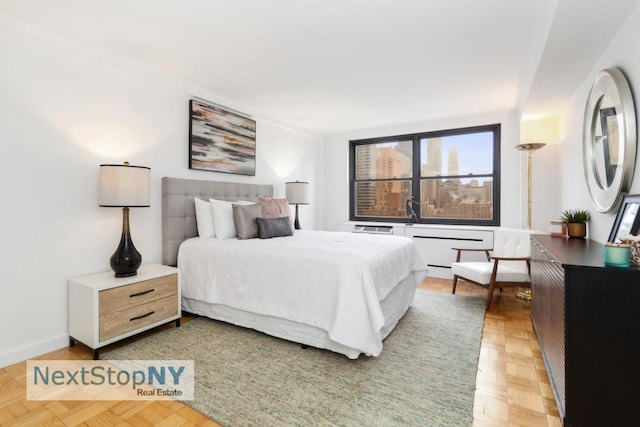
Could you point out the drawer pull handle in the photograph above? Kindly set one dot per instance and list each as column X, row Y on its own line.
column 141, row 293
column 141, row 317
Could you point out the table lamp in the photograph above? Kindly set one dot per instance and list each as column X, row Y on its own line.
column 297, row 193
column 125, row 186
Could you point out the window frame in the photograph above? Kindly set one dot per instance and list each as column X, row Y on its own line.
column 417, row 177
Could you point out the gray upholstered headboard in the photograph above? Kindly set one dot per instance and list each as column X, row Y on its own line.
column 179, row 212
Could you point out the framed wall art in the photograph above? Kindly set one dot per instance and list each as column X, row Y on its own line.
column 628, row 219
column 221, row 140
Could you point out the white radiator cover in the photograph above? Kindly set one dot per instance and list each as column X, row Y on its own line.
column 436, row 245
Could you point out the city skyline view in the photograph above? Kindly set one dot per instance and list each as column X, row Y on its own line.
column 449, row 186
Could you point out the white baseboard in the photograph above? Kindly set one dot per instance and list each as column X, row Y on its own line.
column 23, row 353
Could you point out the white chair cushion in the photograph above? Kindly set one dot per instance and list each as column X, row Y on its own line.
column 480, row 272
column 512, row 243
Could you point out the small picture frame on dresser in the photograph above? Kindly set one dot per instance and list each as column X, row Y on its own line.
column 628, row 218
column 557, row 228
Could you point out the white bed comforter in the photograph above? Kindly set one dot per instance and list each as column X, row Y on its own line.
column 331, row 280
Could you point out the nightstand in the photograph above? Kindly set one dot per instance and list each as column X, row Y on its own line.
column 104, row 309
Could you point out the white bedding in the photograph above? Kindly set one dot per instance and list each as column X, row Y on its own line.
column 327, row 280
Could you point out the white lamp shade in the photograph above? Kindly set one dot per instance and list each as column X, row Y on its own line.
column 297, row 193
column 545, row 129
column 124, row 186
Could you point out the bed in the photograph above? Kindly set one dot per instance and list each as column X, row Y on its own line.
column 343, row 292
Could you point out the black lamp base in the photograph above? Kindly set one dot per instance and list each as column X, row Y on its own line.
column 296, row 223
column 126, row 259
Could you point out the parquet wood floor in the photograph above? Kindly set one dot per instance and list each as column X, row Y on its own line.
column 512, row 387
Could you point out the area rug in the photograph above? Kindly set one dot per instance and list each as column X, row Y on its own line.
column 425, row 375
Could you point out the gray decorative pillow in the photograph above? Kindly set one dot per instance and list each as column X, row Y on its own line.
column 244, row 218
column 274, row 227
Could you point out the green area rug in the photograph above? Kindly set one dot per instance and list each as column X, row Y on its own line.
column 425, row 375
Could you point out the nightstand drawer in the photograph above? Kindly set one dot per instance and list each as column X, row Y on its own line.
column 125, row 297
column 123, row 321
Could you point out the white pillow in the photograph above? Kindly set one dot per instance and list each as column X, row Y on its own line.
column 223, row 223
column 204, row 219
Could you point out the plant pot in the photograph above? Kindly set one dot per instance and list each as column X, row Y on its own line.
column 577, row 230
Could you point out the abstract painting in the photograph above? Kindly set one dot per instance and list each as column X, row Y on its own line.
column 220, row 140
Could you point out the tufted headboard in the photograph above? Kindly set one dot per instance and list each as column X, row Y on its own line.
column 179, row 212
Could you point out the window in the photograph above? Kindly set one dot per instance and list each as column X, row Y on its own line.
column 446, row 177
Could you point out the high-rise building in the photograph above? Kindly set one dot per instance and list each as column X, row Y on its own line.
column 431, row 168
column 387, row 192
column 366, row 156
column 405, row 148
column 453, row 168
column 433, row 165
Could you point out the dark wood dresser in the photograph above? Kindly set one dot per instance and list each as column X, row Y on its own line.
column 587, row 319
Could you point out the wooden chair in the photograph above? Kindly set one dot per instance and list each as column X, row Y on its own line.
column 508, row 265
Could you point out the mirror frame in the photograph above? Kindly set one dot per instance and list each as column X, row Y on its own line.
column 612, row 83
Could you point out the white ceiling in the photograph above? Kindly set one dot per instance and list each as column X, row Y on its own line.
column 326, row 66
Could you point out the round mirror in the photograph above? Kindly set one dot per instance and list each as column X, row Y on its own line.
column 609, row 146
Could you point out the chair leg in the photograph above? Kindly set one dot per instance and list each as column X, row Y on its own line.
column 455, row 283
column 490, row 294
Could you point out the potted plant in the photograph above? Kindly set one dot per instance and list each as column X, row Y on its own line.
column 576, row 220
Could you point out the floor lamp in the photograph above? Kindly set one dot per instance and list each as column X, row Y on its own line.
column 529, row 148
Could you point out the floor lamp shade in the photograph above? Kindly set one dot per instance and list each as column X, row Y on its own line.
column 297, row 193
column 125, row 186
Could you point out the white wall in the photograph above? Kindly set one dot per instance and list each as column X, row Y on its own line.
column 624, row 52
column 335, row 174
column 65, row 110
